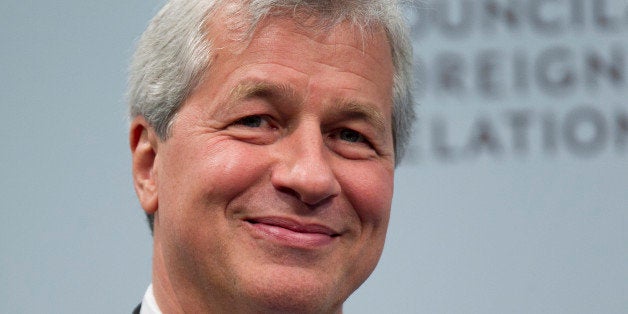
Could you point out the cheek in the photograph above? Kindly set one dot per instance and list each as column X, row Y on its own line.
column 369, row 189
column 232, row 167
column 209, row 177
column 197, row 186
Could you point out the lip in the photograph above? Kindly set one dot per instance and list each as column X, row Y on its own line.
column 289, row 232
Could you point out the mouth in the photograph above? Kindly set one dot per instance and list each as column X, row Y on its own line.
column 291, row 233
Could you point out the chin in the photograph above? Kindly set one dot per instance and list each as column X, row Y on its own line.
column 298, row 291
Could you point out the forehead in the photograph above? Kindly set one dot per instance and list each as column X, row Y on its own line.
column 347, row 48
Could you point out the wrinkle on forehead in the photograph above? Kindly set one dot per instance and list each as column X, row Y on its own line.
column 343, row 38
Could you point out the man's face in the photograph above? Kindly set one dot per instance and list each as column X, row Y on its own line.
column 274, row 188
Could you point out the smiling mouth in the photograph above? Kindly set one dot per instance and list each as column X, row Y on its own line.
column 291, row 233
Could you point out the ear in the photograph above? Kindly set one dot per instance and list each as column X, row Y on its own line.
column 144, row 141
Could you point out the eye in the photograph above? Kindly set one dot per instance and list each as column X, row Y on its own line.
column 255, row 129
column 351, row 136
column 351, row 144
column 251, row 121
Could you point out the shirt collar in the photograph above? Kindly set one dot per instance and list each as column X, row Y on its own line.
column 149, row 304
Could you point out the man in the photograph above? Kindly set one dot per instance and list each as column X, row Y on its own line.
column 264, row 137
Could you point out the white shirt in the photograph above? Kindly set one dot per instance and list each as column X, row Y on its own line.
column 149, row 304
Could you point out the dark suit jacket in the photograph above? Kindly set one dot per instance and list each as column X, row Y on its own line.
column 137, row 309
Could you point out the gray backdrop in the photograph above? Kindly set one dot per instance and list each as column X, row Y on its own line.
column 512, row 198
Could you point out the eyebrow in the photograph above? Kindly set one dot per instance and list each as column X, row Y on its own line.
column 250, row 89
column 351, row 109
column 345, row 108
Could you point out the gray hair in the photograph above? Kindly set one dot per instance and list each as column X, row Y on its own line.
column 175, row 50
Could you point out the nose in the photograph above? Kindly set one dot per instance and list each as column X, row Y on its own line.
column 304, row 169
